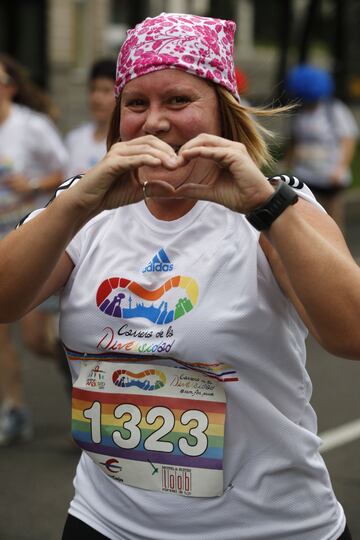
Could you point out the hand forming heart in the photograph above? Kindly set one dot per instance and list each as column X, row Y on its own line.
column 117, row 180
column 238, row 183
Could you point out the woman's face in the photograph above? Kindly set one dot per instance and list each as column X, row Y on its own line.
column 175, row 107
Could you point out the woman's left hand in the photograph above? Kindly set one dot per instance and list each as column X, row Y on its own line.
column 238, row 185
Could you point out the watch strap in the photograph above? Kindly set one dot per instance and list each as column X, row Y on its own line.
column 262, row 217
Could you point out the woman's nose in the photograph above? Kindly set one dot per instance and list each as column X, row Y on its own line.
column 156, row 121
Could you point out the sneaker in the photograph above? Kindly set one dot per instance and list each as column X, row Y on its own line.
column 15, row 426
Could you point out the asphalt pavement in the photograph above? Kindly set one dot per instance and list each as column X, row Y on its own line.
column 36, row 477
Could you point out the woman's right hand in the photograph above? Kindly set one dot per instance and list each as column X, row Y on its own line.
column 114, row 181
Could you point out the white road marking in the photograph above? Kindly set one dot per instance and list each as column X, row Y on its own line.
column 339, row 436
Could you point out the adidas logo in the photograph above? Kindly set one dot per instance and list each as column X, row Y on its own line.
column 159, row 263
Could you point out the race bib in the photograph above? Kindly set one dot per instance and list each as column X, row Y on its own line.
column 153, row 427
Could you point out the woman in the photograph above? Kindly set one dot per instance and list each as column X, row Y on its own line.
column 32, row 164
column 190, row 398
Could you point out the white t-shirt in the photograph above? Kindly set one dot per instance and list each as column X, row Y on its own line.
column 189, row 375
column 316, row 134
column 84, row 150
column 31, row 145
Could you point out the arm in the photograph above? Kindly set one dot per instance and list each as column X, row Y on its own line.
column 32, row 258
column 323, row 280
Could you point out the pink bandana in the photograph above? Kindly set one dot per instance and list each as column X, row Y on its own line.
column 199, row 45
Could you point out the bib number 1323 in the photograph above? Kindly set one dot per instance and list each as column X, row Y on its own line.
column 160, row 421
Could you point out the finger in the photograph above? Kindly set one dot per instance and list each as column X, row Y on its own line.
column 139, row 160
column 168, row 160
column 159, row 188
column 222, row 156
column 152, row 141
column 200, row 192
column 205, row 139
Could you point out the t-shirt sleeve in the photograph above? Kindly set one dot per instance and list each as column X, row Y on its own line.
column 74, row 247
column 302, row 190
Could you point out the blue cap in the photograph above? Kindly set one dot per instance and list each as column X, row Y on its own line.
column 309, row 83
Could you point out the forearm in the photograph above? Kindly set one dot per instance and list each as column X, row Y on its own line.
column 29, row 254
column 324, row 277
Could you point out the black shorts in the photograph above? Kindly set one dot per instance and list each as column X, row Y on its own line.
column 78, row 530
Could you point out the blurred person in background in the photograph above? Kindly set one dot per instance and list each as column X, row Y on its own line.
column 32, row 164
column 86, row 144
column 323, row 138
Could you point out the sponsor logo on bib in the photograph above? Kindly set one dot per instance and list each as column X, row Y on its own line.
column 149, row 379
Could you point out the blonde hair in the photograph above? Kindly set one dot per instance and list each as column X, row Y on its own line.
column 239, row 124
column 113, row 135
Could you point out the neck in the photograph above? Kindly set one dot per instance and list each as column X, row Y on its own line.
column 5, row 108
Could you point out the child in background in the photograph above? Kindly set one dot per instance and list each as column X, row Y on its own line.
column 86, row 144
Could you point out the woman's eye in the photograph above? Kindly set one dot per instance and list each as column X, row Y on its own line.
column 179, row 100
column 136, row 103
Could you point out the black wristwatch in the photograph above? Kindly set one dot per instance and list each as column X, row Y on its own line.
column 262, row 217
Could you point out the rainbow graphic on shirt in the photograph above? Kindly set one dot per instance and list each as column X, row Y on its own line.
column 126, row 299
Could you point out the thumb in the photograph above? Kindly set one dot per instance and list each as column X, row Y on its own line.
column 200, row 192
column 158, row 188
